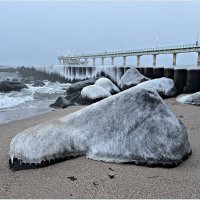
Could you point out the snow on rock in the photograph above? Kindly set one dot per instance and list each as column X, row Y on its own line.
column 164, row 86
column 193, row 99
column 108, row 85
column 132, row 126
column 131, row 78
column 91, row 94
column 78, row 86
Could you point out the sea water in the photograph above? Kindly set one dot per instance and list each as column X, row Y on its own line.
column 29, row 101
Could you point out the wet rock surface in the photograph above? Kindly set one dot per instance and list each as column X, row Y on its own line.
column 151, row 134
column 8, row 86
column 38, row 84
column 65, row 101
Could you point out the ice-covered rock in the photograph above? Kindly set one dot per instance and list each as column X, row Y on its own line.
column 91, row 94
column 131, row 78
column 78, row 86
column 108, row 85
column 164, row 86
column 132, row 126
column 193, row 99
column 64, row 102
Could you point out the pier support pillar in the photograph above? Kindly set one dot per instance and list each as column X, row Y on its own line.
column 138, row 60
column 93, row 61
column 86, row 61
column 174, row 59
column 154, row 60
column 102, row 61
column 112, row 60
column 198, row 59
column 124, row 60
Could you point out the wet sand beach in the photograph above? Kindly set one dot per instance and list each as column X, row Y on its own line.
column 84, row 178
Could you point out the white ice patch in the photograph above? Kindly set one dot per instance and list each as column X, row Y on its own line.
column 94, row 92
column 193, row 99
column 164, row 86
column 132, row 126
column 131, row 78
column 108, row 85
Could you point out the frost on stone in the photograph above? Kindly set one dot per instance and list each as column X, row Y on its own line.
column 132, row 126
column 108, row 85
column 131, row 78
column 94, row 92
column 164, row 86
column 91, row 94
column 193, row 99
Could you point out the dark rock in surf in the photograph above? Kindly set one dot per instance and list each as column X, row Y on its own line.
column 38, row 84
column 8, row 86
column 64, row 102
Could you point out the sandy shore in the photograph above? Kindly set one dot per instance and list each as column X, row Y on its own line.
column 93, row 179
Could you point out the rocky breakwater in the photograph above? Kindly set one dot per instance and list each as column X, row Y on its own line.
column 132, row 126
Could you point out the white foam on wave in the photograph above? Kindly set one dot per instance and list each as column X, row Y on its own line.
column 8, row 101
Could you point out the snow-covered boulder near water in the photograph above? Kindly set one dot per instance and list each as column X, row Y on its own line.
column 131, row 78
column 164, row 86
column 91, row 94
column 132, row 126
column 108, row 85
column 193, row 99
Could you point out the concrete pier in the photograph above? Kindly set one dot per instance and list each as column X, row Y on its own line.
column 174, row 59
column 198, row 59
column 158, row 72
column 192, row 81
column 169, row 72
column 154, row 60
column 180, row 77
column 124, row 60
column 174, row 50
column 112, row 60
column 93, row 61
column 138, row 60
column 102, row 61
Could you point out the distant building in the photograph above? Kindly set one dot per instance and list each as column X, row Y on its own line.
column 71, row 61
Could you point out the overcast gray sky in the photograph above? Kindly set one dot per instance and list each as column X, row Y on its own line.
column 37, row 32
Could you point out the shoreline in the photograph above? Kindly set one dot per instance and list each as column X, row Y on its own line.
column 93, row 177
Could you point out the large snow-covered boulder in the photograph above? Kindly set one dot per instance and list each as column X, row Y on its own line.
column 132, row 126
column 91, row 94
column 131, row 78
column 193, row 99
column 164, row 86
column 108, row 85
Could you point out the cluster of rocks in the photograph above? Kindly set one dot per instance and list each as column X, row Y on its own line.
column 128, row 123
column 93, row 90
column 16, row 85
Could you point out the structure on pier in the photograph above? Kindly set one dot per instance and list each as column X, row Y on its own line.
column 82, row 59
column 63, row 60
